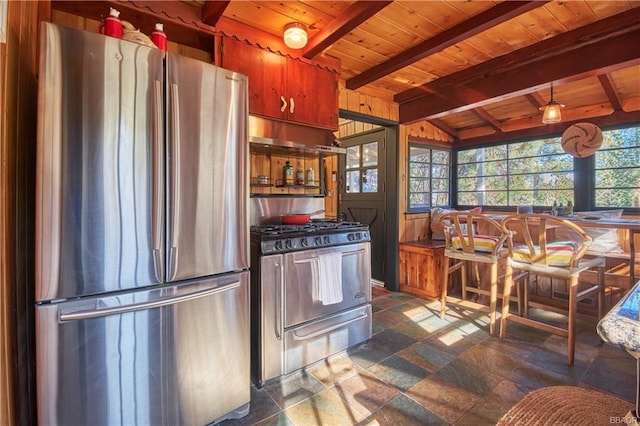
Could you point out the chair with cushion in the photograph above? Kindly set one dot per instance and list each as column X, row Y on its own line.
column 533, row 249
column 477, row 239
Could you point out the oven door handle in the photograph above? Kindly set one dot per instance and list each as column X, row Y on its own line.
column 328, row 329
column 315, row 258
column 279, row 306
column 349, row 253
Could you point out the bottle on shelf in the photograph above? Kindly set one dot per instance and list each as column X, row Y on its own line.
column 299, row 176
column 287, row 173
column 311, row 176
column 569, row 207
column 159, row 38
column 554, row 209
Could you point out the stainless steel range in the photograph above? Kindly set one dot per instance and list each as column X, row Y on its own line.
column 310, row 291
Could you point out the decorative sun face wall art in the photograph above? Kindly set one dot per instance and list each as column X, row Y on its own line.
column 582, row 139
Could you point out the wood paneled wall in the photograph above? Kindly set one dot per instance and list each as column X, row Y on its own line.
column 351, row 100
column 18, row 93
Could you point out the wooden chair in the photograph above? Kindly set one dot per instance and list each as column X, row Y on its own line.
column 477, row 239
column 555, row 259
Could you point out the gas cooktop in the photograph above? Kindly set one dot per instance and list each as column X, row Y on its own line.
column 317, row 233
column 315, row 225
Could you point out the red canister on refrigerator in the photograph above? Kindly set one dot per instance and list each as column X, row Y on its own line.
column 112, row 25
column 159, row 38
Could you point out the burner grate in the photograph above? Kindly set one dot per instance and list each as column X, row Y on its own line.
column 313, row 226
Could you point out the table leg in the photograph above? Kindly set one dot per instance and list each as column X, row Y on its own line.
column 632, row 253
column 636, row 412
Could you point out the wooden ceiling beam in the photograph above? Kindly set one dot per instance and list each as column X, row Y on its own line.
column 496, row 15
column 212, row 11
column 355, row 15
column 618, row 118
column 531, row 56
column 609, row 44
column 485, row 116
column 445, row 128
column 535, row 99
column 612, row 94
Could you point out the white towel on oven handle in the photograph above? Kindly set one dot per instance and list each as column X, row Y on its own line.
column 326, row 274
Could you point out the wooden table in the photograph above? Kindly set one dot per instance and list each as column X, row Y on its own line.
column 621, row 327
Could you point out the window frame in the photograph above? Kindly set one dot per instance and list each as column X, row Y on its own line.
column 431, row 146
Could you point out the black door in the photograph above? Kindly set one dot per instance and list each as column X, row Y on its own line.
column 362, row 177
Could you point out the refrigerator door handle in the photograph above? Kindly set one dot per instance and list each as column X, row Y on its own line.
column 175, row 181
column 156, row 218
column 79, row 315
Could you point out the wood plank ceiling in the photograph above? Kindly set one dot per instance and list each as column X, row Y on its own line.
column 478, row 70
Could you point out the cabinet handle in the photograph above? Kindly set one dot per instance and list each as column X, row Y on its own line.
column 284, row 104
column 292, row 105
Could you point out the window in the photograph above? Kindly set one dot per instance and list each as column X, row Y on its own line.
column 429, row 177
column 539, row 172
column 535, row 173
column 617, row 169
column 362, row 168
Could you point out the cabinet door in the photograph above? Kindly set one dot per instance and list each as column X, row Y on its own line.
column 275, row 81
column 266, row 72
column 314, row 92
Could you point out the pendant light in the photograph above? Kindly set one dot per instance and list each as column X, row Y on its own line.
column 552, row 113
column 295, row 35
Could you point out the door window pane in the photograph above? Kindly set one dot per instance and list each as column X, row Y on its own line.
column 353, row 157
column 370, row 154
column 353, row 181
column 370, row 180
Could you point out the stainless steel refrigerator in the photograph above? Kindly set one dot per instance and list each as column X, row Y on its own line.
column 142, row 299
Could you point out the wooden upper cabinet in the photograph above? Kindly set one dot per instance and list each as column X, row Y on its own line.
column 284, row 88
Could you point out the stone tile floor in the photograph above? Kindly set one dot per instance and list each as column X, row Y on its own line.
column 418, row 369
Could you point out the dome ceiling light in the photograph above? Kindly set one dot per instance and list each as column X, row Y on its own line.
column 295, row 35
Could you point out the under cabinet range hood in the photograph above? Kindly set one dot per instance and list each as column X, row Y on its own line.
column 274, row 136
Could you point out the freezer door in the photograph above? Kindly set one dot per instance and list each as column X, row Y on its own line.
column 99, row 216
column 175, row 355
column 207, row 172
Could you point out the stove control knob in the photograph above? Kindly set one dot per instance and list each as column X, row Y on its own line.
column 288, row 244
column 326, row 239
column 304, row 242
column 351, row 237
column 278, row 245
column 318, row 240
